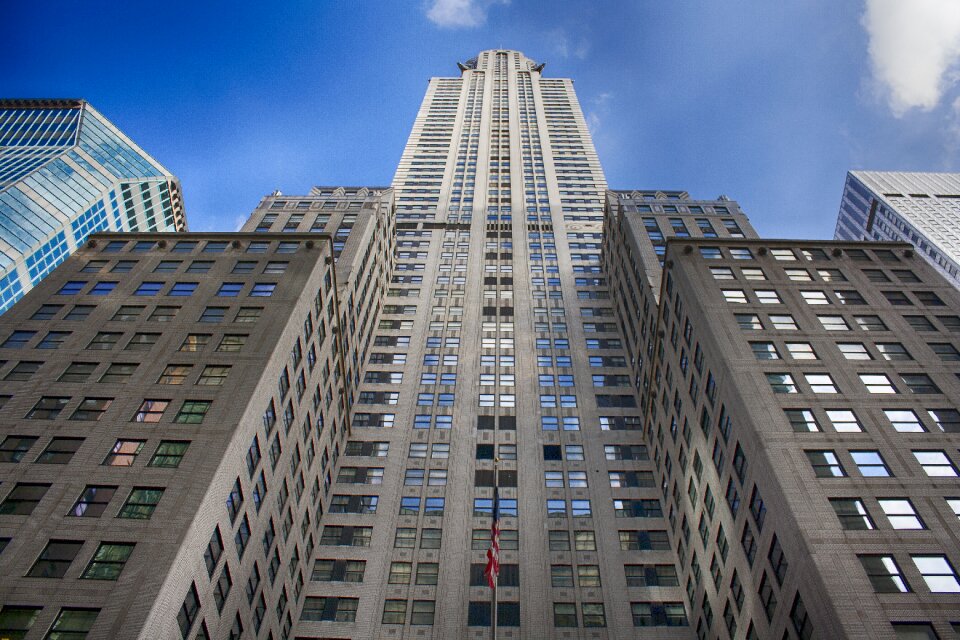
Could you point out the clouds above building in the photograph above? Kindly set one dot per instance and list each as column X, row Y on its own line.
column 914, row 51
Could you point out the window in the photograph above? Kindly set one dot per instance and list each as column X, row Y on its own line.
column 13, row 448
column 150, row 410
column 884, row 574
column 59, row 451
column 182, row 289
column 47, row 408
column 118, row 373
column 394, row 612
column 213, row 375
column 18, row 339
column 232, row 343
column 169, row 453
column 802, row 420
column 164, row 314
column 936, row 464
column 124, row 453
column 937, row 572
column 870, row 323
column 16, row 621
column 167, row 266
column 188, row 611
column 854, row 351
column 767, row 296
column 148, row 289
column 748, row 321
column 833, row 323
column 734, row 296
column 764, row 351
column 844, row 421
column 229, row 289
column 877, row 383
column 103, row 341
column 141, row 503
column 904, row 420
column 213, row 314
column 825, row 464
column 783, row 322
column 658, row 614
column 108, row 561
column 782, row 383
column 919, row 383
column 900, row 513
column 55, row 559
column 142, row 342
column 72, row 623
column 101, row 288
column 22, row 371
column 46, row 312
column 815, row 297
column 820, row 382
column 77, row 372
column 175, row 374
column 947, row 419
column 192, row 412
column 565, row 613
column 248, row 314
column 92, row 502
column 23, row 498
column 852, row 514
column 870, row 464
column 801, row 351
column 79, row 312
column 53, row 340
column 262, row 290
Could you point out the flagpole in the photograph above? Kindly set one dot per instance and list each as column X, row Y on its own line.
column 496, row 578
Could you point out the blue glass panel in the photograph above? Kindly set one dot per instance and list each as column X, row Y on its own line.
column 43, row 260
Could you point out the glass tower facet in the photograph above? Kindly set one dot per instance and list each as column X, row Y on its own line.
column 920, row 208
column 66, row 172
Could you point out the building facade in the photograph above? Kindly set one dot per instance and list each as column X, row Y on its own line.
column 681, row 419
column 175, row 405
column 67, row 172
column 920, row 208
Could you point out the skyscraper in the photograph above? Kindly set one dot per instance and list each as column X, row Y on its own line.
column 308, row 441
column 66, row 172
column 920, row 208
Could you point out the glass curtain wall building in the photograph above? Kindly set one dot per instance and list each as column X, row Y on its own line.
column 920, row 208
column 66, row 172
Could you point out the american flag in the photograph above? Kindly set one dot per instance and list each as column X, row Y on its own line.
column 493, row 553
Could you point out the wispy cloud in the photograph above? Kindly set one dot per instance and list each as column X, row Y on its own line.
column 597, row 107
column 458, row 14
column 914, row 50
column 566, row 47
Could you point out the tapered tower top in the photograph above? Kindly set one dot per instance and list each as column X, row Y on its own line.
column 484, row 61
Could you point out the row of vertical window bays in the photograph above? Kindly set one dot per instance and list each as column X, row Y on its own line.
column 354, row 504
column 558, row 540
column 485, row 360
column 479, row 613
column 583, row 576
column 505, row 452
column 485, row 477
column 503, row 294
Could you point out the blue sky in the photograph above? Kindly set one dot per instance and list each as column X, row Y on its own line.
column 767, row 102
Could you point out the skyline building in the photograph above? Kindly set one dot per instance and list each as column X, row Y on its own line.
column 295, row 431
column 66, row 172
column 922, row 209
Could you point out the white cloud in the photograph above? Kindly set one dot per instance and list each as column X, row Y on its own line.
column 914, row 46
column 460, row 13
column 565, row 47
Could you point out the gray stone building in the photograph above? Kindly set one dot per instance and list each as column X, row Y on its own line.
column 174, row 408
